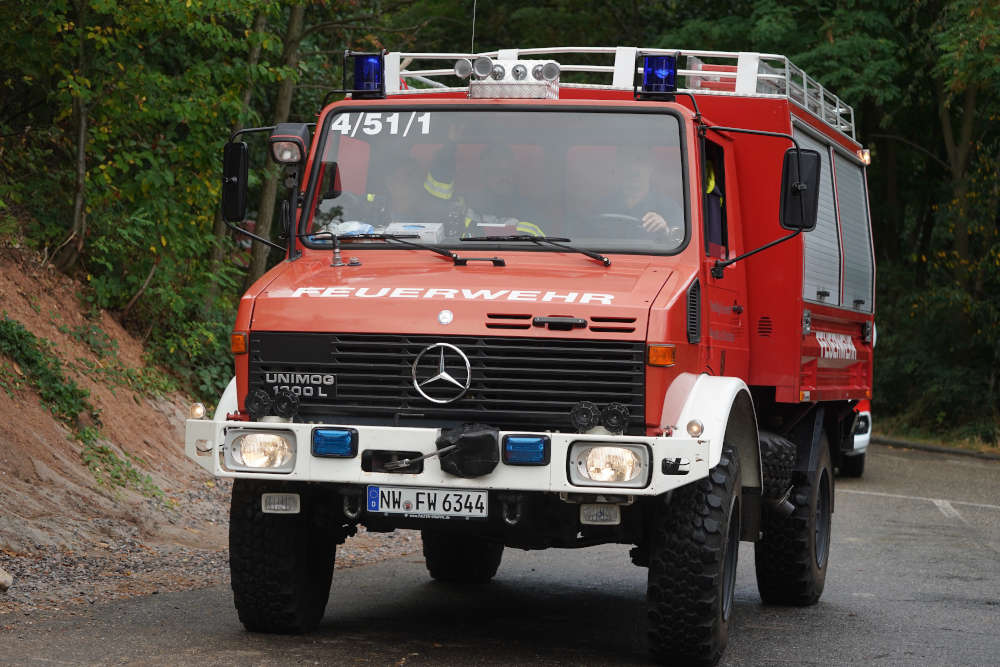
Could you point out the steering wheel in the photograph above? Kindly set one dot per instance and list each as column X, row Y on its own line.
column 619, row 217
column 671, row 236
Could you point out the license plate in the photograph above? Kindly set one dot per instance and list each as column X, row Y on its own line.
column 421, row 503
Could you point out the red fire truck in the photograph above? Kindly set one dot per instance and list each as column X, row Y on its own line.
column 517, row 310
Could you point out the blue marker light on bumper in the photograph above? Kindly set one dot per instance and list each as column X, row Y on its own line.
column 526, row 450
column 335, row 442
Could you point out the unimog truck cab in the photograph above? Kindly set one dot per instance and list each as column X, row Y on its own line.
column 520, row 312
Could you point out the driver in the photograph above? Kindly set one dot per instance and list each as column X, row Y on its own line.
column 657, row 212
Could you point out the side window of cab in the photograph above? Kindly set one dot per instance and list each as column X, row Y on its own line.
column 714, row 192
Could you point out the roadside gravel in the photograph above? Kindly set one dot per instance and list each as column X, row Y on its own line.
column 125, row 565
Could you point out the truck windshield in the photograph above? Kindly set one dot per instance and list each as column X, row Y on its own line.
column 610, row 181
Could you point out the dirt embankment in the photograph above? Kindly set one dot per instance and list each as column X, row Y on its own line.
column 53, row 512
column 67, row 539
column 49, row 498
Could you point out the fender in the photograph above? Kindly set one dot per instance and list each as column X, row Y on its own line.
column 725, row 408
column 227, row 402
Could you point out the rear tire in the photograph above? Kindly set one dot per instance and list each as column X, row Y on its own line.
column 852, row 466
column 792, row 556
column 460, row 559
column 692, row 568
column 281, row 564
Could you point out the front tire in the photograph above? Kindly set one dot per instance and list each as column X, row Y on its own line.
column 792, row 556
column 281, row 564
column 692, row 567
column 460, row 559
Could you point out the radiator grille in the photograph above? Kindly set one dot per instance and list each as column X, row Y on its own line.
column 515, row 382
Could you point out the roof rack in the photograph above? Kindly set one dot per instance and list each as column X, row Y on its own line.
column 734, row 73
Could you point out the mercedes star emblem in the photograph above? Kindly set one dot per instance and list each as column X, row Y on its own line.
column 436, row 384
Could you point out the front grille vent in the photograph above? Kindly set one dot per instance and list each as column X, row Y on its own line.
column 516, row 383
column 508, row 321
column 694, row 312
column 612, row 324
column 765, row 327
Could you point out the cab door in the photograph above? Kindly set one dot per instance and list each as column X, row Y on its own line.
column 725, row 298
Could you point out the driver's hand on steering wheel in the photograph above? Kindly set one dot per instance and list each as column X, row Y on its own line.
column 653, row 222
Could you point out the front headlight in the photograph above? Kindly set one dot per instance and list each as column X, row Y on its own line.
column 608, row 464
column 263, row 451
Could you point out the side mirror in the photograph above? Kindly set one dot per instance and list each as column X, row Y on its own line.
column 799, row 190
column 235, row 171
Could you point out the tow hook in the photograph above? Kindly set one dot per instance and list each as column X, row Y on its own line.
column 352, row 505
column 512, row 509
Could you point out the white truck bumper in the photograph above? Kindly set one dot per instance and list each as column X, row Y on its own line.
column 205, row 442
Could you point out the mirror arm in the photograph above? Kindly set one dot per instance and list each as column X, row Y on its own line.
column 248, row 130
column 261, row 239
column 717, row 268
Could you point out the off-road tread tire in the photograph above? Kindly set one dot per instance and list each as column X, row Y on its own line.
column 852, row 466
column 777, row 460
column 686, row 569
column 785, row 560
column 281, row 564
column 460, row 559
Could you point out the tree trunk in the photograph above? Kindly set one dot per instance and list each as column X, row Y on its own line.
column 925, row 228
column 893, row 211
column 68, row 253
column 283, row 106
column 959, row 154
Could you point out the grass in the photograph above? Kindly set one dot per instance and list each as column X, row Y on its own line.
column 899, row 428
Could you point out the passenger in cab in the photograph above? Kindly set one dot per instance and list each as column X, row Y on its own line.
column 497, row 207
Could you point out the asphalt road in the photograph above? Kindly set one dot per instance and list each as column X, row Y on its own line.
column 914, row 579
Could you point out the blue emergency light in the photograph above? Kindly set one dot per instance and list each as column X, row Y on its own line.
column 659, row 74
column 341, row 443
column 369, row 75
column 526, row 450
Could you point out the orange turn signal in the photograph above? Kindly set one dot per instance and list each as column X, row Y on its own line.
column 661, row 355
column 238, row 342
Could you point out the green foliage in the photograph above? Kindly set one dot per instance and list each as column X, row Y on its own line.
column 113, row 374
column 112, row 471
column 44, row 371
column 204, row 345
column 94, row 337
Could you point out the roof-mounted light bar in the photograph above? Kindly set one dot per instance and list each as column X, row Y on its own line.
column 510, row 79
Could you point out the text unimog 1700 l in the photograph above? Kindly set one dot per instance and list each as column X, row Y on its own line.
column 516, row 312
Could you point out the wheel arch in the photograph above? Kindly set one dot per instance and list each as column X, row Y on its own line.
column 725, row 407
column 227, row 402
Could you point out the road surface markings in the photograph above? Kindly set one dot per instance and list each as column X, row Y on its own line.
column 946, row 506
column 936, row 501
column 948, row 510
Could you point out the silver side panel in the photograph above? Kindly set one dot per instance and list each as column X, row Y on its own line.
column 821, row 260
column 854, row 222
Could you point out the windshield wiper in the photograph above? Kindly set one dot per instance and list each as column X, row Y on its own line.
column 404, row 240
column 555, row 241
